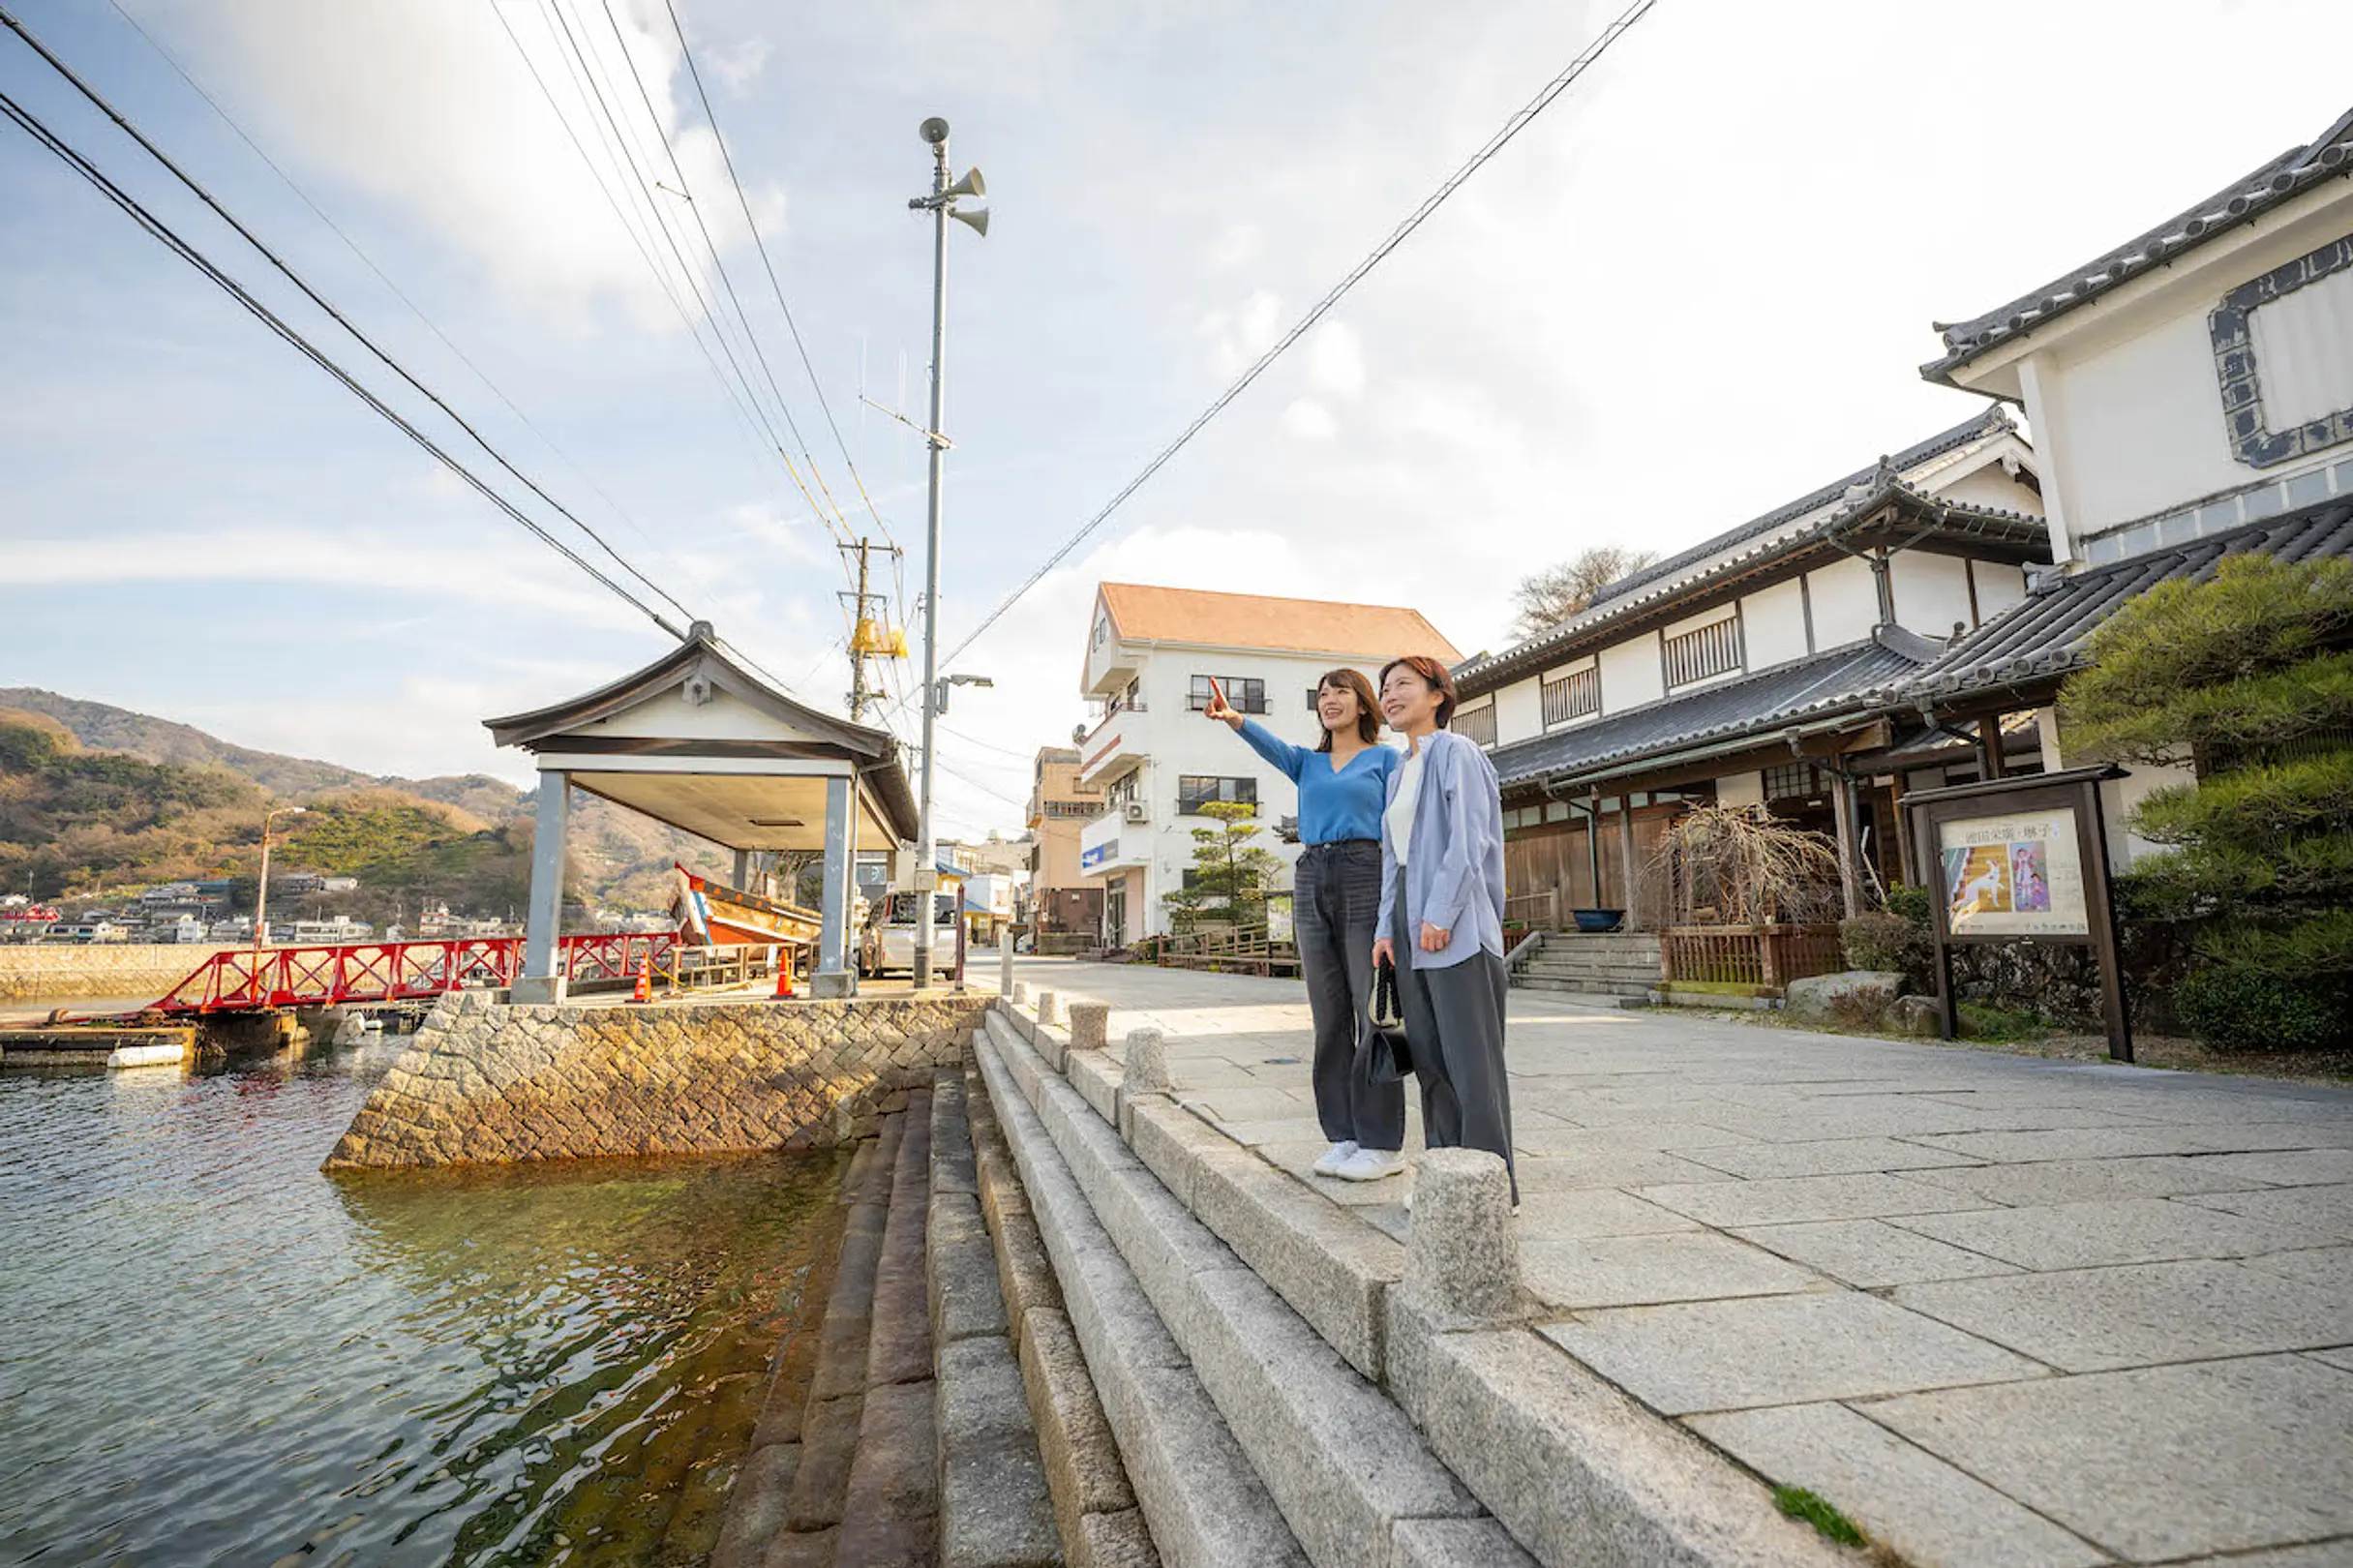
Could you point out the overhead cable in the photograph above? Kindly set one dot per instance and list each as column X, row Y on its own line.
column 1512, row 127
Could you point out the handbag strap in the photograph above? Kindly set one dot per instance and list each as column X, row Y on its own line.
column 1384, row 995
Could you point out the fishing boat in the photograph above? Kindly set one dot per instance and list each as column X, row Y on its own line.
column 713, row 915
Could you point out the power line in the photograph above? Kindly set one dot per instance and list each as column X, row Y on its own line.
column 180, row 69
column 695, row 74
column 187, row 253
column 1512, row 127
column 106, row 108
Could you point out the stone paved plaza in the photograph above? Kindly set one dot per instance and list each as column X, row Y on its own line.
column 1999, row 1309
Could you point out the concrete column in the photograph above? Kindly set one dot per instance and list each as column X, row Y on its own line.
column 1004, row 964
column 539, row 980
column 743, row 871
column 832, row 977
column 1090, row 1025
column 1461, row 1252
column 1146, row 1063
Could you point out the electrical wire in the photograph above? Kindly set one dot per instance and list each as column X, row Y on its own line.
column 171, row 240
column 122, row 122
column 695, row 74
column 1512, row 127
column 180, row 69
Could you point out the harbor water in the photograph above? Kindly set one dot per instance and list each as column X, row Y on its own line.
column 212, row 1353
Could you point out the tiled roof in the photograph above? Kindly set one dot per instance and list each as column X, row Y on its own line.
column 2045, row 636
column 1169, row 614
column 1818, row 686
column 1992, row 420
column 2327, row 156
column 1874, row 491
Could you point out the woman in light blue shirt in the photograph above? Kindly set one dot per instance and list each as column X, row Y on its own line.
column 1336, row 896
column 1441, row 917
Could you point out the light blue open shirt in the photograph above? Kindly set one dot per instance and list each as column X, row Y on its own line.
column 1454, row 873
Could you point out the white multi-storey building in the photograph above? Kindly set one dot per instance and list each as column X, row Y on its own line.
column 1152, row 653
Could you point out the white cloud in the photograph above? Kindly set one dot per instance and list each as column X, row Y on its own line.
column 739, row 67
column 1240, row 335
column 1336, row 360
column 1309, row 420
column 1237, row 245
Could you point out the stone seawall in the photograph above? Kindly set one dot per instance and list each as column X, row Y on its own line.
column 487, row 1083
column 100, row 969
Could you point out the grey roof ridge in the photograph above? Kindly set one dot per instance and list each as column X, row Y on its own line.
column 1984, row 422
column 1601, row 615
column 2328, row 156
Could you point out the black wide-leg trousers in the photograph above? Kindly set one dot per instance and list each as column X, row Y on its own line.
column 1335, row 904
column 1453, row 1026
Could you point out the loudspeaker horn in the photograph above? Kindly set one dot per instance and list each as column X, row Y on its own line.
column 976, row 218
column 971, row 185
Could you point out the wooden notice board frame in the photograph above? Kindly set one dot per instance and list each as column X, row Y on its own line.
column 2075, row 793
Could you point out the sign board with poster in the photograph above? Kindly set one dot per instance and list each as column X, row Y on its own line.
column 1279, row 922
column 2022, row 858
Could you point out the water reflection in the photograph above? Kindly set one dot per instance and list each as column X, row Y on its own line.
column 211, row 1353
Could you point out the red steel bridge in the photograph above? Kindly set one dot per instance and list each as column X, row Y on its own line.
column 252, row 979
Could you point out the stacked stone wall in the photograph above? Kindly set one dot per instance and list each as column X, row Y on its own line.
column 97, row 969
column 487, row 1083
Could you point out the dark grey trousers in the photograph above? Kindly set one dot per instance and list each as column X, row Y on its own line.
column 1453, row 1024
column 1335, row 905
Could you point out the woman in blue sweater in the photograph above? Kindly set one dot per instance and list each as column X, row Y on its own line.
column 1335, row 897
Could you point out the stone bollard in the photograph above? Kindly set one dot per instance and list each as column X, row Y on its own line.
column 1461, row 1249
column 1045, row 1008
column 1004, row 964
column 1146, row 1064
column 1022, row 992
column 1090, row 1025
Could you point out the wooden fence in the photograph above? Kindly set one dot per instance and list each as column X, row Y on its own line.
column 1765, row 956
column 1235, row 951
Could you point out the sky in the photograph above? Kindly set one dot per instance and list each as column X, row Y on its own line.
column 1698, row 286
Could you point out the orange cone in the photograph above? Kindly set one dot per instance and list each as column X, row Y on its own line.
column 645, row 980
column 784, row 980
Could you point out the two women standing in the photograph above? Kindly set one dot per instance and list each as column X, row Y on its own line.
column 1404, row 864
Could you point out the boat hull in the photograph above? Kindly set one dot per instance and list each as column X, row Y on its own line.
column 714, row 915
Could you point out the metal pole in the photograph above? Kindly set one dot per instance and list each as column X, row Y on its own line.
column 926, row 873
column 262, row 889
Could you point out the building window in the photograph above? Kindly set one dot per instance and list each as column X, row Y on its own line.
column 1128, row 701
column 1196, row 790
column 1706, row 651
column 1477, row 724
column 1314, row 692
column 1572, row 696
column 1244, row 696
column 1067, row 809
column 1797, row 781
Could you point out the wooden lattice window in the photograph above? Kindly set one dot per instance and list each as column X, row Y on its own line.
column 1712, row 650
column 1477, row 724
column 1572, row 696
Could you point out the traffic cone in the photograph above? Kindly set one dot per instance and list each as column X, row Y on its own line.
column 784, row 980
column 645, row 980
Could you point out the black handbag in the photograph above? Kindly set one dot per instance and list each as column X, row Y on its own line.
column 1384, row 1032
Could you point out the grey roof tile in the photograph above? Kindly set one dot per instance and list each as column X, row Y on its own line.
column 2327, row 156
column 1815, row 687
column 2047, row 634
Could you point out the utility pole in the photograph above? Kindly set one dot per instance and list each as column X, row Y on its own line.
column 867, row 640
column 940, row 204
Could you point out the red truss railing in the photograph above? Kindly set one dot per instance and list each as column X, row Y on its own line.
column 396, row 971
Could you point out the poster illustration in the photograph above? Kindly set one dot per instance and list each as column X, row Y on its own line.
column 2019, row 875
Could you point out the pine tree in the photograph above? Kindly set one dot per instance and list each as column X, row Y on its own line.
column 2247, row 675
column 1229, row 871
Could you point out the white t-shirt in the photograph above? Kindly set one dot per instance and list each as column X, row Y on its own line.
column 1399, row 818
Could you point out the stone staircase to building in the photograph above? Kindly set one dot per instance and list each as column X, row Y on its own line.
column 1622, row 964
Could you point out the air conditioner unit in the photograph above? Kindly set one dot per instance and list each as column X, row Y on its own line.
column 1138, row 811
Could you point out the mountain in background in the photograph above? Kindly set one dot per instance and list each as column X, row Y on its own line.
column 95, row 797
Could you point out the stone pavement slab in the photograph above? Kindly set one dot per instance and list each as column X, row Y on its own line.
column 2020, row 1271
column 2094, row 1319
column 2160, row 1461
column 2124, row 1230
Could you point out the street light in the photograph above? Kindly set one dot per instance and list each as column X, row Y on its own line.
column 940, row 689
column 261, row 890
column 941, row 205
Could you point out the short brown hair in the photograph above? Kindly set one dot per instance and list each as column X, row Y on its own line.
column 1368, row 705
column 1434, row 675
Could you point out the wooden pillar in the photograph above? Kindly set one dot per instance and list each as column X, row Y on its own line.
column 1989, row 747
column 1625, row 861
column 1850, row 868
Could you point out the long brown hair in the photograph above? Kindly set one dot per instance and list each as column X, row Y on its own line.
column 1368, row 706
column 1433, row 676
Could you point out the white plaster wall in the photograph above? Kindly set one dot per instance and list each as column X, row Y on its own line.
column 1707, row 618
column 1931, row 593
column 671, row 715
column 1631, row 675
column 1774, row 620
column 1992, row 486
column 1845, row 603
column 2000, row 587
column 1518, row 711
column 1740, row 790
column 2118, row 796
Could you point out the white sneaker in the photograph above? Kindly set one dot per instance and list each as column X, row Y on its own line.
column 1336, row 1156
column 1371, row 1166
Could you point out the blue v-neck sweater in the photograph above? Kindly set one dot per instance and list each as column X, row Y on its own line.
column 1332, row 806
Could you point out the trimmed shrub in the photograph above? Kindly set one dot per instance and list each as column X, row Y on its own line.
column 2244, row 1010
column 1887, row 942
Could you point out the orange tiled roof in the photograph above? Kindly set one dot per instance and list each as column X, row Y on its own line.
column 1169, row 614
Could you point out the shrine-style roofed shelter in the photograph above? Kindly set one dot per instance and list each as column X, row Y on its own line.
column 695, row 741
